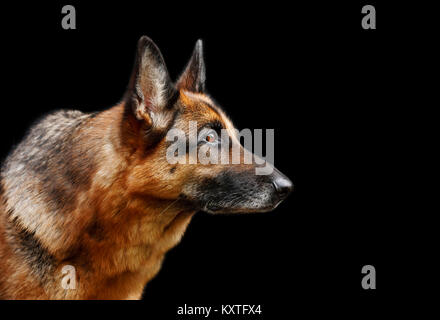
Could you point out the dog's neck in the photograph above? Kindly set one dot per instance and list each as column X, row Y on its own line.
column 131, row 246
column 86, row 213
column 130, row 233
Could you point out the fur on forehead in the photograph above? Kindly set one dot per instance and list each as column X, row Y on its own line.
column 197, row 97
column 190, row 98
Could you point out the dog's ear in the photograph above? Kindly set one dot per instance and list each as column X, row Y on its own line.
column 150, row 90
column 193, row 78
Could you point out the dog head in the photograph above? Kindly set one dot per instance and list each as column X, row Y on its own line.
column 172, row 124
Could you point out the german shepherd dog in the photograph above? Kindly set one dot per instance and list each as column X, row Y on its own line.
column 95, row 191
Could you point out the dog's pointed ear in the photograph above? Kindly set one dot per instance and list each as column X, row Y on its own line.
column 193, row 78
column 150, row 89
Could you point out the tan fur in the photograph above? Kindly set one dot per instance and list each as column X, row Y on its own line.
column 122, row 225
column 97, row 193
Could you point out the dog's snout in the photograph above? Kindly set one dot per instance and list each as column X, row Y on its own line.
column 283, row 186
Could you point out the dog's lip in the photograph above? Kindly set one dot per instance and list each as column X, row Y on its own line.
column 221, row 210
column 278, row 202
column 216, row 209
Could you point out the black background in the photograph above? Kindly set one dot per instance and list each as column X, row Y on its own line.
column 332, row 91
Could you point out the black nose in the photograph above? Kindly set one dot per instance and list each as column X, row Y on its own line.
column 283, row 186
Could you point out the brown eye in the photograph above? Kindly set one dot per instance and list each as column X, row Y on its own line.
column 210, row 137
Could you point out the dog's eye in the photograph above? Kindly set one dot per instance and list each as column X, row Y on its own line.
column 210, row 137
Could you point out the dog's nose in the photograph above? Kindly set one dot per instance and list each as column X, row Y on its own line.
column 283, row 186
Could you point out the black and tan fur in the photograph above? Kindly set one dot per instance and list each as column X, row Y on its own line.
column 95, row 190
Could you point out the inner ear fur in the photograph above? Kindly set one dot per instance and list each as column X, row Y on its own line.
column 194, row 76
column 150, row 91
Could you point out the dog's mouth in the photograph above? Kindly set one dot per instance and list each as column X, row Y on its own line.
column 232, row 193
column 214, row 208
column 235, row 204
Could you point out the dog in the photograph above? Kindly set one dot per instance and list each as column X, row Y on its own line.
column 95, row 192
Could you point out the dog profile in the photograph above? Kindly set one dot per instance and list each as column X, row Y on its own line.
column 95, row 191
